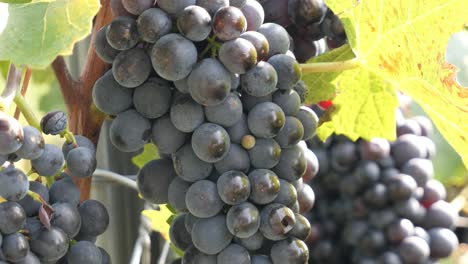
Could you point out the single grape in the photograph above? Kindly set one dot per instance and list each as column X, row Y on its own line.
column 440, row 214
column 94, row 218
column 253, row 242
column 84, row 252
column 212, row 5
column 203, row 200
column 433, row 192
column 443, row 242
column 153, row 180
column 11, row 134
column 399, row 230
column 254, row 14
column 291, row 250
column 265, row 186
column 173, row 57
column 291, row 134
column 233, row 254
column 277, row 221
column 227, row 113
column 194, row 23
column 81, row 162
column 210, row 142
column 287, row 194
column 132, row 67
column 260, row 81
column 136, row 7
column 153, row 98
column 166, row 136
column 375, row 149
column 122, row 33
column 265, row 154
column 368, row 172
column 15, row 247
column 277, row 37
column 118, row 9
column 109, row 96
column 64, row 191
column 30, row 258
column 211, row 235
column 233, row 187
column 12, row 217
column 209, row 82
column 305, row 198
column 289, row 101
column 174, row 7
column 314, row 165
column 30, row 206
column 301, row 229
column 292, row 164
column 372, row 241
column 14, row 184
column 105, row 256
column 304, row 12
column 153, row 23
column 260, row 259
column 33, row 144
column 421, row 170
column 67, row 218
column 412, row 210
column 266, row 120
column 193, row 256
column 178, row 234
column 238, row 55
column 186, row 114
column 49, row 245
column 407, row 147
column 103, row 49
column 401, row 187
column 239, row 129
column 176, row 194
column 130, row 131
column 236, row 159
column 229, row 23
column 54, row 123
column 288, row 70
column 259, row 42
column 413, row 250
column 376, row 195
column 188, row 166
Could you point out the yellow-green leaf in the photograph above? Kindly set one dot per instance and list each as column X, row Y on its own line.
column 150, row 152
column 402, row 43
column 39, row 31
column 365, row 107
column 159, row 220
column 320, row 86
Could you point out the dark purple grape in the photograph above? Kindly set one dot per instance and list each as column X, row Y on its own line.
column 233, row 187
column 229, row 23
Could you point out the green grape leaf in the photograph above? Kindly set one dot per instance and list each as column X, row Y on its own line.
column 38, row 32
column 401, row 45
column 159, row 219
column 321, row 87
column 150, row 152
column 363, row 110
column 15, row 1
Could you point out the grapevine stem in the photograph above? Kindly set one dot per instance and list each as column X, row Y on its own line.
column 27, row 111
column 12, row 84
column 330, row 66
column 69, row 137
column 24, row 88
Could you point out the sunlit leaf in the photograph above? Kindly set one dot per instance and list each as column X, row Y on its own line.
column 150, row 152
column 159, row 219
column 39, row 31
column 400, row 45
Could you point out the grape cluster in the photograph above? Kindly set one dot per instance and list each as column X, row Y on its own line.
column 308, row 22
column 214, row 88
column 47, row 224
column 377, row 201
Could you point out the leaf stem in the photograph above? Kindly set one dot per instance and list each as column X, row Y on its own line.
column 12, row 84
column 334, row 66
column 27, row 111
